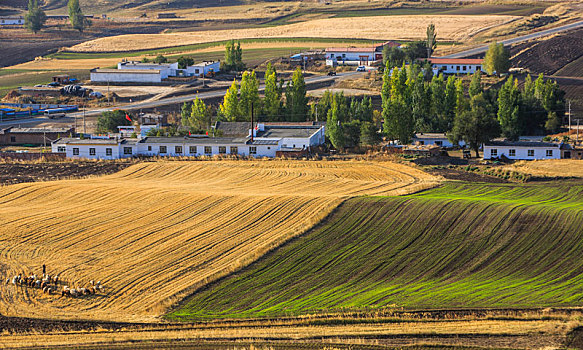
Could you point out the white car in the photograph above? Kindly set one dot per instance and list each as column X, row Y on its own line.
column 361, row 69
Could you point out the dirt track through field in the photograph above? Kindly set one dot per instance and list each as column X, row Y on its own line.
column 154, row 232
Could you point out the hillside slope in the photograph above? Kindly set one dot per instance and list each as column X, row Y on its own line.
column 156, row 231
column 454, row 246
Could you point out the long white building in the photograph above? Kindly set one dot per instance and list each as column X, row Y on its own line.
column 141, row 72
column 522, row 150
column 267, row 141
column 456, row 65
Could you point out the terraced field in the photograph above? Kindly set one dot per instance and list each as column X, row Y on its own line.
column 460, row 245
column 155, row 232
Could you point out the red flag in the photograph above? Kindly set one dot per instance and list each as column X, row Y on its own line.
column 128, row 117
column 207, row 133
column 189, row 133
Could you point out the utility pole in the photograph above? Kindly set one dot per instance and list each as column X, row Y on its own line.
column 108, row 92
column 569, row 117
column 252, row 129
column 84, row 108
column 577, row 139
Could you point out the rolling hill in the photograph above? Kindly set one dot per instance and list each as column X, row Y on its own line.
column 457, row 246
column 156, row 231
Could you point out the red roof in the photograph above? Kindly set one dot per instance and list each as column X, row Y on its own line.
column 351, row 49
column 437, row 60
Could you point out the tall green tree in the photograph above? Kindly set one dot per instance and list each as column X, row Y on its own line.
column 431, row 40
column 233, row 56
column 508, row 110
column 109, row 121
column 199, row 115
column 272, row 100
column 450, row 103
column 393, row 56
column 229, row 109
column 421, row 105
column 497, row 59
column 296, row 100
column 438, row 103
column 476, row 125
column 249, row 94
column 334, row 131
column 185, row 111
column 399, row 124
column 76, row 17
column 35, row 18
column 476, row 84
column 369, row 135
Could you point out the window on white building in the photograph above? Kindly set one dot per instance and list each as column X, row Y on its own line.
column 91, row 151
column 530, row 153
column 61, row 149
column 127, row 150
column 208, row 150
column 178, row 149
column 252, row 150
column 464, row 68
column 457, row 67
column 549, row 153
column 75, row 151
column 439, row 143
column 108, row 152
column 234, row 150
column 494, row 152
column 192, row 149
column 149, row 148
column 511, row 153
column 478, row 68
column 222, row 149
column 163, row 149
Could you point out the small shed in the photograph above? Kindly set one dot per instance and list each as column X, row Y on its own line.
column 62, row 79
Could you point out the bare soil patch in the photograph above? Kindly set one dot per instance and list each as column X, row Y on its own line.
column 13, row 173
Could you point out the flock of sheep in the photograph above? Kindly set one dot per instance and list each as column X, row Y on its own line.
column 49, row 285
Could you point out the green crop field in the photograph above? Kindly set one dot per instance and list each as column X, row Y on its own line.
column 460, row 245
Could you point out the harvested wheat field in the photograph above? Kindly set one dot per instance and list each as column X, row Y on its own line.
column 549, row 168
column 154, row 232
column 386, row 27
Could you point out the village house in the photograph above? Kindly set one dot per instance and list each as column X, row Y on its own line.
column 434, row 139
column 456, row 65
column 522, row 150
column 141, row 72
column 32, row 136
column 356, row 56
column 267, row 141
column 11, row 21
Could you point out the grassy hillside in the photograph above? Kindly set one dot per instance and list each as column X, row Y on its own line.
column 460, row 245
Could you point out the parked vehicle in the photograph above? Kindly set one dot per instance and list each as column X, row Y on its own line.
column 54, row 113
column 54, row 83
column 331, row 73
column 361, row 69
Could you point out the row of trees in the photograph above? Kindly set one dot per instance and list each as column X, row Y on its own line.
column 35, row 18
column 412, row 104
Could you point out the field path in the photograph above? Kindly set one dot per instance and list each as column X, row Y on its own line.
column 154, row 232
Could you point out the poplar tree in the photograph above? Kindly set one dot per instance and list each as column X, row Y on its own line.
column 431, row 39
column 476, row 84
column 199, row 115
column 272, row 100
column 249, row 93
column 296, row 100
column 35, row 18
column 76, row 16
column 508, row 110
column 497, row 59
column 334, row 131
column 229, row 109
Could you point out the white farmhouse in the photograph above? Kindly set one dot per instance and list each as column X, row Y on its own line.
column 11, row 21
column 456, row 65
column 166, row 69
column 268, row 141
column 522, row 150
column 356, row 55
column 434, row 139
column 99, row 148
column 205, row 68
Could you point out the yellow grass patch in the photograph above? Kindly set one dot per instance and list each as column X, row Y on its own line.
column 156, row 231
column 550, row 168
column 376, row 27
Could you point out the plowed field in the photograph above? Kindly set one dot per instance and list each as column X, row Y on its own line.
column 154, row 232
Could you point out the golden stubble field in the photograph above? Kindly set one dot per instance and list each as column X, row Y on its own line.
column 407, row 27
column 156, row 231
column 549, row 168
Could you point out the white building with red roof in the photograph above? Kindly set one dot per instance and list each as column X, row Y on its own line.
column 357, row 56
column 456, row 65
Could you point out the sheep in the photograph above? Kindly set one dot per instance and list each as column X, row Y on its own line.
column 56, row 279
column 37, row 283
column 82, row 291
column 73, row 292
column 44, row 285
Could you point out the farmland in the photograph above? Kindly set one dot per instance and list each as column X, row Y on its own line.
column 155, row 232
column 459, row 245
column 395, row 27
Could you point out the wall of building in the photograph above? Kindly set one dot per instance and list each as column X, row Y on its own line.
column 126, row 77
column 521, row 153
column 29, row 138
column 457, row 68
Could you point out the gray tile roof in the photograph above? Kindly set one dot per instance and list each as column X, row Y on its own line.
column 533, row 144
